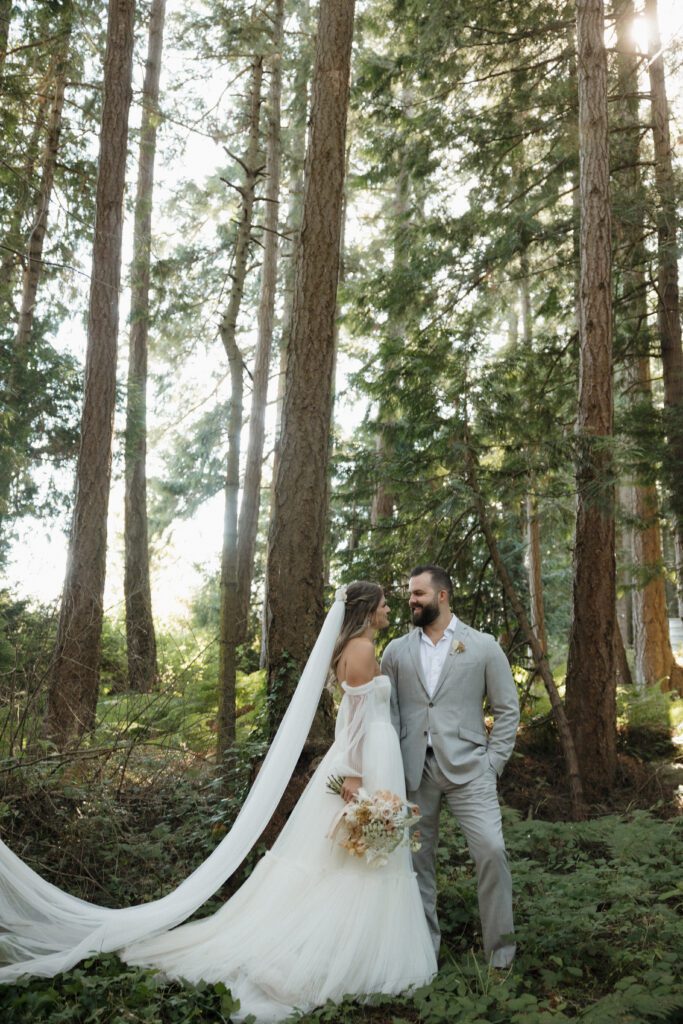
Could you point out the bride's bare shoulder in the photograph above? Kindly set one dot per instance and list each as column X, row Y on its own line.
column 358, row 663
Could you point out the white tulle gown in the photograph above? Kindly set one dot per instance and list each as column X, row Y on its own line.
column 313, row 923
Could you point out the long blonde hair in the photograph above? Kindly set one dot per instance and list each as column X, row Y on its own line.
column 362, row 599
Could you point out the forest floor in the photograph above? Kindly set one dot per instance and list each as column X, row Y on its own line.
column 598, row 903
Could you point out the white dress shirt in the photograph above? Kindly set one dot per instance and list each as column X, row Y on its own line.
column 433, row 655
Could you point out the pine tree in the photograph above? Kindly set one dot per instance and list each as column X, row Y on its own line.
column 140, row 635
column 74, row 679
column 668, row 290
column 299, row 517
column 653, row 656
column 232, row 613
column 590, row 702
column 249, row 509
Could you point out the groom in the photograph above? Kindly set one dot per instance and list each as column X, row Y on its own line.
column 441, row 673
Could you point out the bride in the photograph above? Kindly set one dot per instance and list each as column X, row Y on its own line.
column 311, row 922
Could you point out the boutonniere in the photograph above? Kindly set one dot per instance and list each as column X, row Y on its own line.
column 457, row 647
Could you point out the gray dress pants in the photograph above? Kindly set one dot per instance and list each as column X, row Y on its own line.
column 476, row 809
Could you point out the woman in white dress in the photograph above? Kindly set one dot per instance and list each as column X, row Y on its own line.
column 311, row 923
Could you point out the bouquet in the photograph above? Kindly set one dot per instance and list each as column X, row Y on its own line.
column 374, row 826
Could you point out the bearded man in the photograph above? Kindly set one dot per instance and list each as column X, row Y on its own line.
column 442, row 673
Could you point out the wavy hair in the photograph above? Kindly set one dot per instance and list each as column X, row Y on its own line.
column 362, row 599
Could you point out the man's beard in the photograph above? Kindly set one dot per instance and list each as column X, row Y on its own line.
column 427, row 614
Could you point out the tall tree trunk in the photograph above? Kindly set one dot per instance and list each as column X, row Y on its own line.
column 654, row 659
column 533, row 547
column 383, row 499
column 298, row 525
column 228, row 640
column 341, row 277
column 230, row 627
column 74, row 679
column 625, row 564
column 532, row 517
column 668, row 292
column 654, row 656
column 298, row 120
column 591, row 689
column 382, row 508
column 140, row 635
column 251, row 492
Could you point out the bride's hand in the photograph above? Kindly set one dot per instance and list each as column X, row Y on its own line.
column 350, row 787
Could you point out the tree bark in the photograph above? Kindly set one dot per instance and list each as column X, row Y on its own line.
column 231, row 612
column 625, row 565
column 140, row 635
column 251, row 492
column 668, row 291
column 228, row 639
column 299, row 108
column 621, row 665
column 532, row 517
column 653, row 655
column 591, row 689
column 75, row 670
column 299, row 112
column 298, row 525
column 533, row 539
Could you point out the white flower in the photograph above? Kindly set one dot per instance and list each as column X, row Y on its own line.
column 340, row 594
column 458, row 647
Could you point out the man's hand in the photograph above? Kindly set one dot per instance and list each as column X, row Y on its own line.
column 350, row 787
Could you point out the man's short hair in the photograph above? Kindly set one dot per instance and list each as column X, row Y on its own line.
column 440, row 577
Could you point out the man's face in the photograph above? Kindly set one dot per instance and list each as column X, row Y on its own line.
column 423, row 600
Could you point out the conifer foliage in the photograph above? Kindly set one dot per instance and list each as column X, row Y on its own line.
column 405, row 291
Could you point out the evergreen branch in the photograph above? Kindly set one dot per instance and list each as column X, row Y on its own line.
column 45, row 263
column 37, row 43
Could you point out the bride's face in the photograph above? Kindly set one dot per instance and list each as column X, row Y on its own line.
column 380, row 616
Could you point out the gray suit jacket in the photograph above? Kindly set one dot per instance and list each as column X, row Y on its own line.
column 454, row 715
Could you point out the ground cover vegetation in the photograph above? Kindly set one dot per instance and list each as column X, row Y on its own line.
column 491, row 379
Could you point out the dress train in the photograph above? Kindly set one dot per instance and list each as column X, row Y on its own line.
column 311, row 922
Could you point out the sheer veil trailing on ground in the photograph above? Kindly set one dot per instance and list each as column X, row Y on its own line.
column 44, row 931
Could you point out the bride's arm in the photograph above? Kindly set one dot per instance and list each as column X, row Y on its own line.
column 359, row 666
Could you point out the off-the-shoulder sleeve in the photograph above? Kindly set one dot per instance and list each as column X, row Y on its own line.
column 350, row 729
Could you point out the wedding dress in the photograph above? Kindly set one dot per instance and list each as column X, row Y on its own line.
column 311, row 922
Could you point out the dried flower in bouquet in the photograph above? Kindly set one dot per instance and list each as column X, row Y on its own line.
column 374, row 826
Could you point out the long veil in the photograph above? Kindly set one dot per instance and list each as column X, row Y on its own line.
column 44, row 930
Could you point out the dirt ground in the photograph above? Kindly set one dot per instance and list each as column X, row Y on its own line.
column 649, row 775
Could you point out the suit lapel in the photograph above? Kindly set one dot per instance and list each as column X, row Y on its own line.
column 414, row 648
column 451, row 660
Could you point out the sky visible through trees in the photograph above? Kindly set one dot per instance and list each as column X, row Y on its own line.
column 187, row 153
